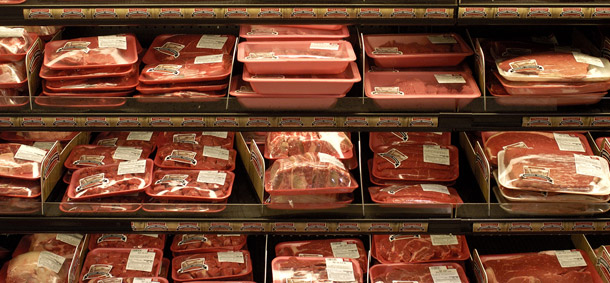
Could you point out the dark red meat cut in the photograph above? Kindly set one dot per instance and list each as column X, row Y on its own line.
column 104, row 263
column 169, row 48
column 128, row 241
column 85, row 53
column 309, row 269
column 202, row 243
column 222, row 139
column 95, row 155
column 285, row 144
column 381, row 139
column 344, row 248
column 195, row 157
column 421, row 273
column 408, row 163
column 211, row 266
column 415, row 194
column 185, row 185
column 419, row 248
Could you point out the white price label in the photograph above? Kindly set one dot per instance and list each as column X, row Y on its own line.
column 435, row 188
column 44, row 145
column 236, row 257
column 442, row 274
column 324, row 46
column 388, row 90
column 140, row 260
column 569, row 258
column 208, row 59
column 112, row 41
column 142, row 280
column 30, row 153
column 566, row 142
column 11, row 32
column 403, row 281
column 127, row 153
column 436, row 154
column 211, row 41
column 50, row 261
column 139, row 136
column 216, row 152
column 151, row 235
column 444, row 240
column 441, row 39
column 212, row 177
column 70, row 239
column 449, row 79
column 588, row 59
column 588, row 165
column 327, row 158
column 339, row 270
column 222, row 135
column 132, row 167
column 345, row 250
column 310, row 255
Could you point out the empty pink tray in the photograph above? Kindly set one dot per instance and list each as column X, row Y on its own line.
column 275, row 33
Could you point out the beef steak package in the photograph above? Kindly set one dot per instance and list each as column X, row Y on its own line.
column 316, row 270
column 172, row 48
column 190, row 185
column 340, row 248
column 127, row 241
column 378, row 140
column 286, row 144
column 309, row 201
column 420, row 273
column 415, row 194
column 104, row 263
column 195, row 157
column 417, row 163
column 222, row 265
column 419, row 248
column 20, row 161
column 18, row 188
column 202, row 243
column 95, row 155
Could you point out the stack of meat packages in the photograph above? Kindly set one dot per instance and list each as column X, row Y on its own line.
column 194, row 172
column 320, row 261
column 309, row 170
column 531, row 73
column 43, row 258
column 187, row 65
column 415, row 71
column 544, row 167
column 110, row 175
column 100, row 67
column 14, row 45
column 309, row 63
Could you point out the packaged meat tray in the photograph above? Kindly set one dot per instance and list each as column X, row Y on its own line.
column 381, row 139
column 417, row 163
column 224, row 265
column 600, row 142
column 419, row 248
column 11, row 205
column 222, row 139
column 421, row 273
column 304, row 84
column 78, row 101
column 189, row 70
column 107, row 72
column 127, row 177
column 421, row 89
column 180, row 96
column 127, row 241
column 211, row 89
column 13, row 75
column 15, row 43
column 494, row 142
column 555, row 67
column 169, row 48
column 315, row 270
column 546, row 266
column 40, row 266
column 17, row 188
column 104, row 263
column 179, row 206
column 309, row 201
column 310, row 173
column 340, row 248
column 415, row 194
column 416, row 50
column 195, row 157
column 551, row 171
column 550, row 88
column 287, row 33
column 202, row 243
column 296, row 57
column 285, row 144
column 35, row 136
column 91, row 52
column 191, row 185
column 116, row 204
column 83, row 156
column 114, row 84
column 543, row 196
column 20, row 161
column 132, row 280
column 60, row 244
column 136, row 139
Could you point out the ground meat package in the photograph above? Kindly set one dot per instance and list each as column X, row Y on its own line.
column 420, row 273
column 104, row 263
column 381, row 139
column 340, row 248
column 222, row 139
column 315, row 270
column 415, row 194
column 563, row 266
column 83, row 156
column 20, row 161
column 419, row 248
column 223, row 265
column 286, row 144
column 38, row 266
column 137, row 139
column 195, row 157
column 170, row 48
column 202, row 243
column 417, row 163
column 191, row 185
column 91, row 52
column 128, row 241
column 558, row 172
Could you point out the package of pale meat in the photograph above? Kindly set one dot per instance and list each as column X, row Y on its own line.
column 427, row 195
column 127, row 241
column 550, row 88
column 417, row 163
column 13, row 75
column 104, row 263
column 18, row 188
column 112, row 205
column 315, row 270
column 381, row 139
column 201, row 243
column 419, row 248
column 286, row 33
column 15, row 43
column 171, row 48
column 420, row 273
column 340, row 248
column 188, row 70
column 83, row 156
column 416, row 50
column 222, row 139
column 552, row 171
column 64, row 245
column 77, row 74
column 195, row 157
column 20, row 161
column 310, row 173
column 285, row 144
column 136, row 139
column 124, row 178
column 38, row 266
column 191, row 185
column 111, row 84
column 223, row 265
column 309, row 201
column 181, row 206
column 561, row 266
column 91, row 52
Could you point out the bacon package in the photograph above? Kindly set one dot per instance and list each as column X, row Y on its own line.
column 20, row 161
column 285, row 144
column 315, row 270
column 15, row 43
column 309, row 201
column 420, row 273
column 419, row 248
column 284, row 32
column 60, row 244
column 83, row 156
column 224, row 265
column 104, row 263
column 415, row 194
column 222, row 139
column 202, row 243
column 91, row 52
column 340, row 248
column 189, row 70
column 171, row 48
column 381, row 139
column 18, row 188
column 195, row 157
column 38, row 266
column 135, row 139
column 127, row 241
column 191, row 185
column 417, row 163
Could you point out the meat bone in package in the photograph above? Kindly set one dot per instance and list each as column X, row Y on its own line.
column 222, row 265
column 417, row 163
column 105, row 263
column 202, row 243
column 340, row 248
column 284, row 144
column 420, row 273
column 315, row 270
column 419, row 248
column 91, row 52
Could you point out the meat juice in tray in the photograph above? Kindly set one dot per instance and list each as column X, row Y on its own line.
column 382, row 139
column 195, row 157
column 204, row 186
column 222, row 139
column 127, row 241
column 136, row 139
column 104, row 263
column 91, row 52
column 315, row 270
column 417, row 163
column 285, row 144
column 421, row 273
column 83, row 156
column 170, row 48
column 202, row 243
column 286, row 33
column 20, row 161
column 419, row 248
column 340, row 248
column 223, row 265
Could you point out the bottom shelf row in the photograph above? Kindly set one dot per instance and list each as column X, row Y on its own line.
column 163, row 258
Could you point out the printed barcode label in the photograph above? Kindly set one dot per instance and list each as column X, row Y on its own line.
column 208, row 59
column 436, row 154
column 588, row 59
column 132, row 167
column 435, row 188
column 212, row 177
column 216, row 152
column 30, row 153
column 345, row 250
column 588, row 165
column 441, row 39
column 140, row 260
column 139, row 136
column 112, row 41
column 50, row 261
column 236, row 257
column 222, row 135
column 127, row 153
column 324, row 46
column 442, row 274
column 444, row 240
column 70, row 239
column 338, row 270
column 212, row 41
column 394, row 90
column 566, row 142
column 569, row 258
column 449, row 79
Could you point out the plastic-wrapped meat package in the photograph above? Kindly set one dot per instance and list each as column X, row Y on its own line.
column 195, row 157
column 315, row 270
column 224, row 265
column 181, row 206
column 15, row 43
column 419, row 248
column 60, row 244
column 211, row 89
column 12, row 73
column 20, row 161
column 201, row 243
column 494, row 142
column 83, row 156
column 169, row 48
column 415, row 194
column 127, row 177
column 137, row 139
column 19, row 188
column 310, row 173
column 417, row 163
column 37, row 136
column 421, row 273
column 552, row 171
column 91, row 52
column 77, row 74
column 114, row 84
column 117, row 204
column 222, row 139
column 341, row 248
column 543, row 196
column 40, row 266
column 11, row 205
column 104, row 263
column 191, row 185
column 128, row 241
column 214, row 67
column 566, row 266
column 285, row 32
column 285, row 144
column 381, row 139
column 309, row 201
column 552, row 89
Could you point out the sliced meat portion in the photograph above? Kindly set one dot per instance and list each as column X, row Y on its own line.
column 419, row 248
column 285, row 144
column 27, row 268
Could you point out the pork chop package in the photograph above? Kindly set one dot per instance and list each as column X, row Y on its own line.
column 551, row 171
column 315, row 270
column 83, row 156
column 286, row 144
column 204, row 186
column 382, row 139
column 60, row 244
column 136, row 139
column 127, row 241
column 20, row 161
column 127, row 177
column 417, row 163
column 222, row 139
column 190, row 70
column 18, row 188
column 202, row 243
column 340, row 248
column 420, row 273
column 494, row 142
column 419, row 248
column 38, row 266
column 171, row 48
column 563, row 266
column 223, row 265
column 15, row 43
column 309, row 201
column 115, row 204
column 195, row 157
column 91, row 52
column 310, row 173
column 415, row 194
column 104, row 263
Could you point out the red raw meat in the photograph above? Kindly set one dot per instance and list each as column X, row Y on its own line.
column 202, row 243
column 222, row 139
column 115, row 263
column 413, row 194
column 183, row 184
column 12, row 73
column 324, row 248
column 16, row 168
column 553, row 65
column 206, row 266
column 111, row 83
column 407, row 163
column 285, row 144
column 190, row 156
column 122, row 139
column 24, row 269
column 117, row 204
column 38, row 136
column 307, row 269
column 83, row 156
column 417, row 48
column 19, row 188
column 421, row 273
column 185, row 70
column 128, row 241
column 380, row 139
column 85, row 53
column 170, row 48
column 416, row 249
column 181, row 206
column 44, row 242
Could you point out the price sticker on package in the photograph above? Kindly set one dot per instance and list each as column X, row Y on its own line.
column 569, row 258
column 339, row 270
column 139, row 136
column 50, row 261
column 212, row 177
column 442, row 274
column 216, row 152
column 140, row 260
column 436, row 154
column 324, row 46
column 132, row 167
column 588, row 59
column 444, row 240
column 588, row 165
column 30, row 153
column 442, row 39
column 236, row 257
column 449, row 79
column 70, row 239
column 344, row 250
column 112, row 41
column 210, row 41
column 127, row 153
column 209, row 59
column 143, row 280
column 435, row 188
column 566, row 142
